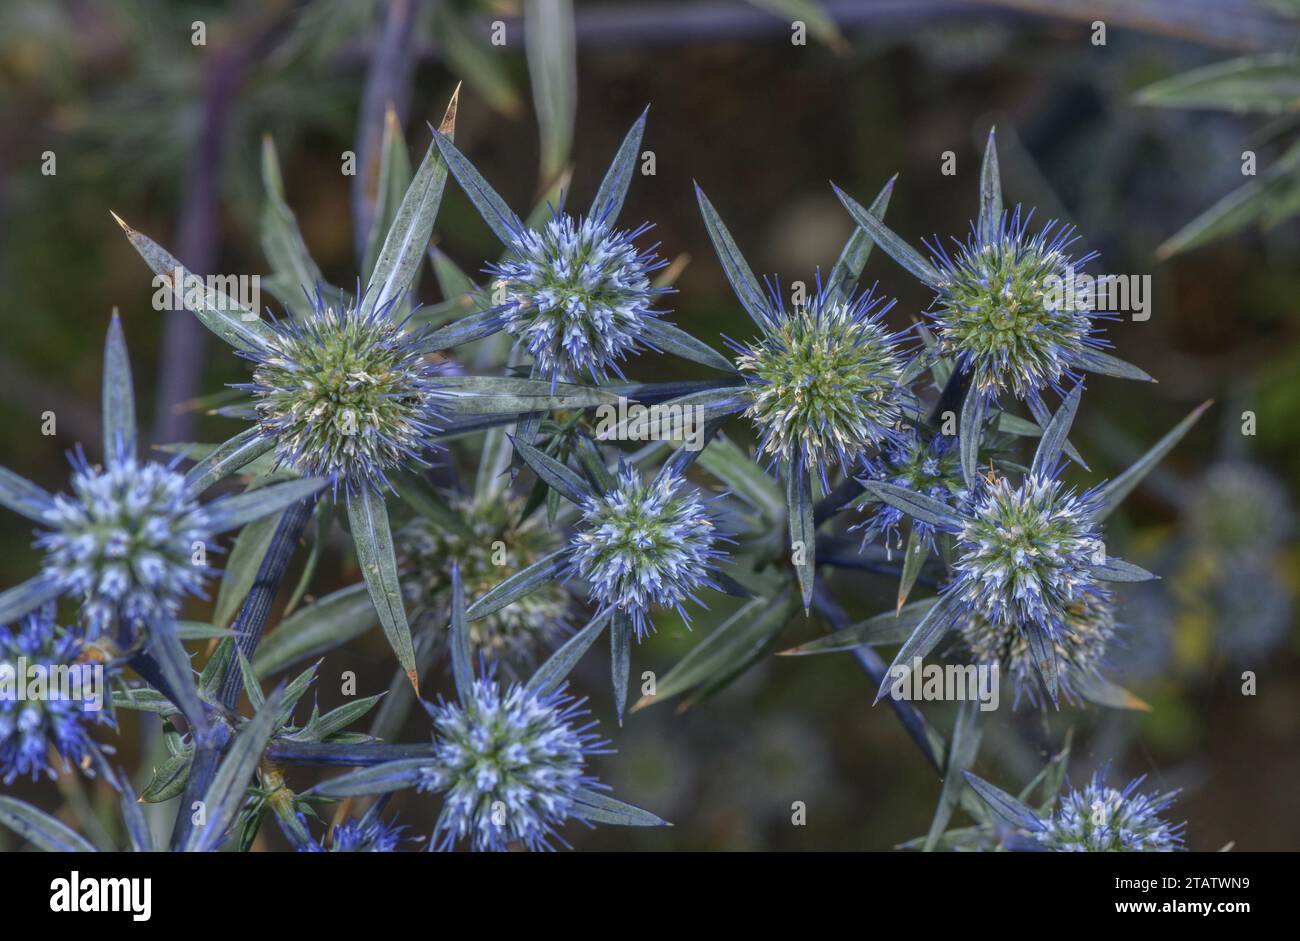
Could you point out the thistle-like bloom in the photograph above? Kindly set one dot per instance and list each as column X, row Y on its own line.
column 643, row 545
column 1101, row 819
column 824, row 380
column 496, row 544
column 346, row 396
column 930, row 467
column 371, row 834
column 124, row 542
column 578, row 294
column 1026, row 553
column 1081, row 645
column 1011, row 308
column 511, row 765
column 59, row 719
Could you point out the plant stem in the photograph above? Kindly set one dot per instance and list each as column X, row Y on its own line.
column 341, row 754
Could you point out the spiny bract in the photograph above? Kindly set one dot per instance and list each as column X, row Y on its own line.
column 496, row 544
column 1025, row 553
column 825, row 381
column 1101, row 819
column 59, row 721
column 125, row 541
column 510, row 765
column 1011, row 308
column 345, row 396
column 931, row 467
column 643, row 545
column 577, row 294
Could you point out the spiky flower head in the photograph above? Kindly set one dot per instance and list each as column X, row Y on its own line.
column 510, row 765
column 1101, row 819
column 1081, row 643
column 345, row 395
column 497, row 542
column 929, row 466
column 824, row 380
column 1025, row 553
column 59, row 719
column 1012, row 309
column 371, row 834
column 125, row 541
column 646, row 545
column 577, row 294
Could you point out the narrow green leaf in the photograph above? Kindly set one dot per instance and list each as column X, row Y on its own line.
column 557, row 476
column 550, row 45
column 1117, row 570
column 232, row 512
column 377, row 779
column 26, row 596
column 294, row 271
column 1113, row 494
column 40, row 829
column 739, row 274
column 226, row 458
column 1107, row 365
column 887, row 628
column 664, row 336
column 378, row 560
column 331, row 622
column 620, row 659
column 556, row 669
column 393, row 183
column 546, row 569
column 803, row 529
column 970, row 429
column 1052, row 443
column 932, row 628
column 169, row 778
column 601, row 808
column 966, row 734
column 990, row 187
column 914, row 556
column 462, row 663
column 491, row 207
column 118, row 398
column 916, row 505
column 1043, row 651
column 22, row 496
column 1004, row 805
column 1268, row 83
column 853, row 258
column 727, row 461
column 613, row 188
column 497, row 395
column 889, row 242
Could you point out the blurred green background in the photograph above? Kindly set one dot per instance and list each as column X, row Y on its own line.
column 167, row 134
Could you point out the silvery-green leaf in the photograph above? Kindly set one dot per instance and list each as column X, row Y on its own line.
column 232, row 512
column 321, row 727
column 40, row 829
column 231, row 321
column 933, row 626
column 969, row 431
column 556, row 475
column 22, row 496
column 727, row 461
column 169, row 778
column 620, row 658
column 556, row 669
column 469, row 54
column 378, row 560
column 462, row 664
column 966, row 734
column 990, row 187
column 143, row 699
column 420, row 497
column 1004, row 805
column 853, row 258
column 26, row 596
column 226, row 458
column 496, row 395
column 1044, row 418
column 916, row 505
column 601, row 808
column 241, row 567
column 521, row 583
column 1102, row 692
column 377, row 779
column 1053, row 441
column 404, row 245
column 226, row 793
column 294, row 271
column 889, row 242
column 252, row 687
column 1043, row 651
column 887, row 628
column 914, row 556
column 613, row 188
column 394, row 181
column 137, row 827
column 1114, row 492
column 664, row 336
column 803, row 529
column 326, row 625
column 1268, row 83
column 739, row 274
column 1107, row 365
column 174, row 662
column 1015, row 425
column 197, row 630
column 475, row 326
column 491, row 207
column 549, row 43
column 1117, row 570
column 118, row 398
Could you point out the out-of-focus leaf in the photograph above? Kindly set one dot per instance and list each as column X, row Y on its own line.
column 811, row 14
column 40, row 829
column 118, row 398
column 394, row 180
column 1113, row 494
column 1268, row 83
column 328, row 624
column 550, row 44
column 966, row 734
column 294, row 273
column 887, row 628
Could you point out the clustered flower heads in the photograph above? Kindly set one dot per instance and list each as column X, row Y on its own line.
column 517, row 634
column 997, row 314
column 510, row 765
column 32, row 728
column 578, row 294
column 645, row 545
column 927, row 465
column 1101, row 819
column 124, row 542
column 345, row 395
column 825, row 380
column 371, row 834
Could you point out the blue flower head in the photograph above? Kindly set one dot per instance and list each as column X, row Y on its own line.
column 577, row 294
column 644, row 545
column 370, row 834
column 1011, row 309
column 510, row 764
column 929, row 466
column 59, row 719
column 1101, row 819
column 346, row 395
column 825, row 380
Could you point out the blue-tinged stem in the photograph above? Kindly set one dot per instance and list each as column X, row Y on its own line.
column 340, row 754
